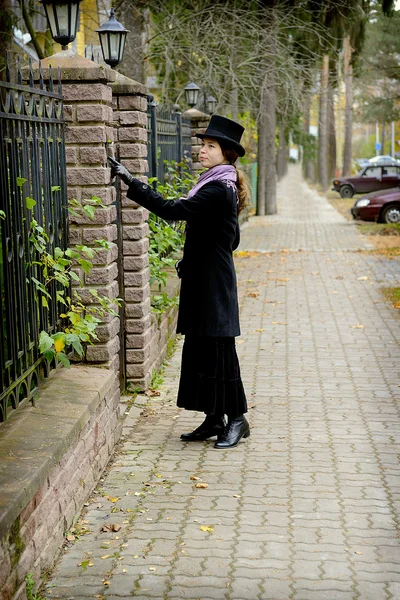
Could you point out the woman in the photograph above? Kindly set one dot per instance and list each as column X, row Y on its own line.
column 208, row 307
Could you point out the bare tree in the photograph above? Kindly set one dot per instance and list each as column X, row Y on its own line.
column 323, row 124
column 348, row 111
column 332, row 83
column 282, row 153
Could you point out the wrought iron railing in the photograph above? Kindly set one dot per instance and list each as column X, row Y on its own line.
column 32, row 164
column 169, row 139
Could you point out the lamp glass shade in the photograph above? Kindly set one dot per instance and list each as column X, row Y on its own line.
column 192, row 94
column 112, row 40
column 63, row 20
column 211, row 104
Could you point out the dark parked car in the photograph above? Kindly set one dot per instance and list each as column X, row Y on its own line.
column 383, row 207
column 370, row 179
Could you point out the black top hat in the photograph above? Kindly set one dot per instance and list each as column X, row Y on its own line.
column 226, row 131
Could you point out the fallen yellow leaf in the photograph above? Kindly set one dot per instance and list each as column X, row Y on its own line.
column 111, row 499
column 201, row 485
column 194, row 478
column 206, row 528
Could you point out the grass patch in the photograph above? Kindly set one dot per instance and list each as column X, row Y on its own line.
column 379, row 228
column 387, row 252
column 393, row 295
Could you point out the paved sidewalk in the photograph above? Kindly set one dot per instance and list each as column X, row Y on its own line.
column 308, row 507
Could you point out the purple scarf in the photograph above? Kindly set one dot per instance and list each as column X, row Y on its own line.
column 219, row 172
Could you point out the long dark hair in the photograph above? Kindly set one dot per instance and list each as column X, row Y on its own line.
column 242, row 184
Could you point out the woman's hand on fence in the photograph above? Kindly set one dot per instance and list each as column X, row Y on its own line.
column 119, row 170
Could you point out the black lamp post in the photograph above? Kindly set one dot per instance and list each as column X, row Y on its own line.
column 211, row 104
column 63, row 20
column 112, row 39
column 192, row 94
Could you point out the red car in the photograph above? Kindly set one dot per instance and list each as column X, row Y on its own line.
column 370, row 179
column 383, row 207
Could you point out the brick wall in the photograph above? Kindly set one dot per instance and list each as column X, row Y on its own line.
column 130, row 120
column 199, row 122
column 88, row 112
column 82, row 406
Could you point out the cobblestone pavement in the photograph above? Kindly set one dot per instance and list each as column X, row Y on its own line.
column 308, row 507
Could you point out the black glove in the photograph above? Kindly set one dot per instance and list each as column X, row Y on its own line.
column 119, row 170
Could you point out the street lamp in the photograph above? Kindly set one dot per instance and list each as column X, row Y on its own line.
column 112, row 39
column 211, row 104
column 192, row 94
column 63, row 19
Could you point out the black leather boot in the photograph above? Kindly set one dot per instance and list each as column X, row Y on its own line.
column 235, row 430
column 211, row 426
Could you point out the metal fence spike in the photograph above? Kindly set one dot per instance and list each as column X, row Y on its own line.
column 59, row 81
column 8, row 74
column 50, row 79
column 41, row 81
column 19, row 72
column 31, row 80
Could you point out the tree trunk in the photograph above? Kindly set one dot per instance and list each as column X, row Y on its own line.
column 331, row 135
column 6, row 23
column 267, row 133
column 383, row 138
column 308, row 164
column 133, row 65
column 348, row 111
column 234, row 95
column 261, row 162
column 266, row 182
column 323, row 125
column 282, row 159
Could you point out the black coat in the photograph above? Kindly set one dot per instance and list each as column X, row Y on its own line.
column 208, row 304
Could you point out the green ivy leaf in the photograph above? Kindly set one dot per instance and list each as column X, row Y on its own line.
column 45, row 342
column 55, row 188
column 21, row 181
column 74, row 276
column 86, row 265
column 73, row 212
column 72, row 253
column 30, row 202
column 89, row 211
column 63, row 359
column 49, row 355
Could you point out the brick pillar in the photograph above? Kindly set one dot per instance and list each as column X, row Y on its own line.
column 199, row 121
column 130, row 120
column 89, row 128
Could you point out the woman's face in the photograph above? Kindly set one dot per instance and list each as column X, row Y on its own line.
column 211, row 153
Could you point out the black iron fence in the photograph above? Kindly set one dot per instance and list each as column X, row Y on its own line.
column 169, row 139
column 32, row 166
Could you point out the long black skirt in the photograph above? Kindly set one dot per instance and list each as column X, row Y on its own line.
column 210, row 377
